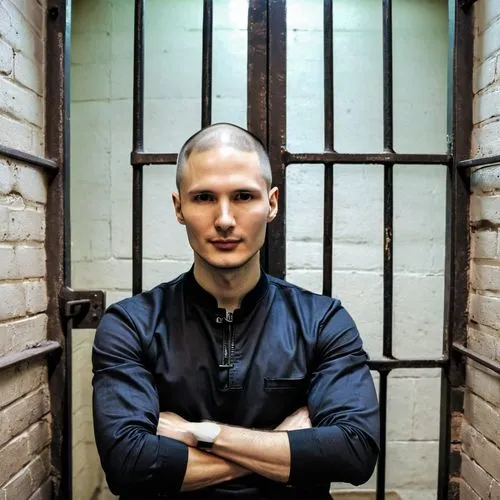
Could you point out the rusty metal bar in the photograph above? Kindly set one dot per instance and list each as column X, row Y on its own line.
column 382, row 396
column 388, row 258
column 33, row 160
column 366, row 158
column 479, row 162
column 206, row 79
column 460, row 59
column 276, row 131
column 478, row 358
column 57, row 47
column 15, row 358
column 385, row 364
column 257, row 84
column 387, row 55
column 329, row 146
column 138, row 146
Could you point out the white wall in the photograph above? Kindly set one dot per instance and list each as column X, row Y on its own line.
column 102, row 178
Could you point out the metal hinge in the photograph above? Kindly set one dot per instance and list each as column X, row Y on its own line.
column 84, row 307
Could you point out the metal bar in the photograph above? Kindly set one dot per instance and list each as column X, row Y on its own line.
column 457, row 235
column 206, row 79
column 329, row 146
column 138, row 146
column 478, row 358
column 15, row 358
column 257, row 84
column 479, row 162
column 380, row 493
column 140, row 158
column 57, row 100
column 387, row 364
column 33, row 160
column 366, row 158
column 387, row 55
column 276, row 131
column 388, row 260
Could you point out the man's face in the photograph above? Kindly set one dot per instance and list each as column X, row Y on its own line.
column 225, row 204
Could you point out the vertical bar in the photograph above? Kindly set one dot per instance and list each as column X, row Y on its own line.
column 388, row 261
column 58, row 38
column 380, row 495
column 460, row 59
column 206, row 79
column 257, row 84
column 387, row 54
column 276, row 131
column 329, row 146
column 138, row 145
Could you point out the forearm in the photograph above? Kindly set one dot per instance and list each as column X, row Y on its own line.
column 265, row 453
column 205, row 469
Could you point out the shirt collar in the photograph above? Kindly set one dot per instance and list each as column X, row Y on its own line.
column 195, row 291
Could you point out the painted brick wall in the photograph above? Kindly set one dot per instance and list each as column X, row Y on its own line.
column 481, row 425
column 24, row 394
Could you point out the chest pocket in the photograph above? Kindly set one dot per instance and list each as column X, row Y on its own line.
column 284, row 396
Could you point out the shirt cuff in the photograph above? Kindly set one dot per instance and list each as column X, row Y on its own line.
column 173, row 458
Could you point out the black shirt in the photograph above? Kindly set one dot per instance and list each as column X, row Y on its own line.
column 172, row 349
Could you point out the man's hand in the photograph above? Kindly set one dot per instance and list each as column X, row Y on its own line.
column 174, row 426
column 299, row 419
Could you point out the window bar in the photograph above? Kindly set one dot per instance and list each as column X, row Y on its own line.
column 388, row 240
column 206, row 85
column 138, row 146
column 276, row 131
column 329, row 146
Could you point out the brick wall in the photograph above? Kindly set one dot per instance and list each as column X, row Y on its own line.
column 481, row 425
column 24, row 394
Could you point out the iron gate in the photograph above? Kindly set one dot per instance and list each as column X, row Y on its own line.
column 267, row 119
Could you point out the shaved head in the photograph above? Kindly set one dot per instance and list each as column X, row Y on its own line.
column 219, row 135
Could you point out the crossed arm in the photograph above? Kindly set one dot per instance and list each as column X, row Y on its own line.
column 236, row 451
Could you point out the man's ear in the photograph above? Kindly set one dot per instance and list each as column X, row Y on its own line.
column 273, row 204
column 176, row 199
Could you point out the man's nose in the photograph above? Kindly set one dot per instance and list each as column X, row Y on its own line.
column 225, row 218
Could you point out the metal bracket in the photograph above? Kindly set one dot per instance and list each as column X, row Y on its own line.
column 84, row 307
column 466, row 4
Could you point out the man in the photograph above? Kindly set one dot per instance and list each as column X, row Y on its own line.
column 227, row 382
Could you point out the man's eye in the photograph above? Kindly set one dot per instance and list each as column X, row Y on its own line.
column 244, row 197
column 203, row 198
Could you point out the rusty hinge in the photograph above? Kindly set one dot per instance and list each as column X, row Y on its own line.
column 84, row 307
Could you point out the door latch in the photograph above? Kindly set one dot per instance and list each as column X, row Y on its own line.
column 84, row 307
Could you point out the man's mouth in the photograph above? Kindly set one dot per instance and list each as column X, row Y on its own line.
column 225, row 244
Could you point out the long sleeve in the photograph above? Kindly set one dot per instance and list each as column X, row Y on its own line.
column 126, row 411
column 342, row 446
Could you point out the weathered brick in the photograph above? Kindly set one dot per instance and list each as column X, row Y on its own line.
column 31, row 11
column 20, row 102
column 483, row 342
column 31, row 261
column 495, row 490
column 12, row 301
column 475, row 476
column 6, row 177
column 19, row 486
column 467, row 493
column 39, row 434
column 484, row 244
column 8, row 264
column 484, row 74
column 28, row 73
column 485, row 277
column 486, row 179
column 482, row 451
column 13, row 456
column 16, row 135
column 40, row 469
column 484, row 417
column 485, row 208
column 6, row 58
column 31, row 184
column 44, row 492
column 485, row 310
column 20, row 225
column 17, row 381
column 36, row 296
column 483, row 383
column 20, row 334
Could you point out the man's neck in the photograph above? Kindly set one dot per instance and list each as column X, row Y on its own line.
column 228, row 286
